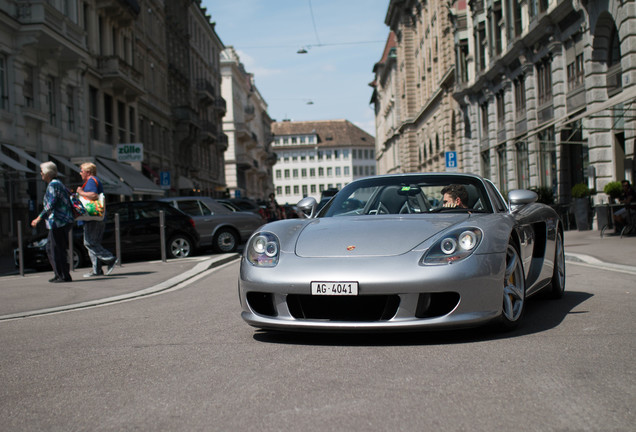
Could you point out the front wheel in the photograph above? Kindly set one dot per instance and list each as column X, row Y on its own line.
column 179, row 246
column 557, row 286
column 514, row 290
column 225, row 241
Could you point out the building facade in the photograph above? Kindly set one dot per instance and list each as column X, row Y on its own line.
column 413, row 89
column 547, row 92
column 544, row 91
column 79, row 78
column 317, row 155
column 250, row 157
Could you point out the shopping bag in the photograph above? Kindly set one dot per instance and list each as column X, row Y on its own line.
column 77, row 206
column 94, row 209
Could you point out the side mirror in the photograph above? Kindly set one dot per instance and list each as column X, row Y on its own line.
column 307, row 207
column 521, row 197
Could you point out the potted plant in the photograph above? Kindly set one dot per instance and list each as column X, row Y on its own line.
column 581, row 194
column 614, row 190
column 545, row 195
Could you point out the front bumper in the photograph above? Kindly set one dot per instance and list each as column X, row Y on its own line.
column 405, row 295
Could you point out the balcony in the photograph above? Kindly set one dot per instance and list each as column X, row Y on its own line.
column 55, row 34
column 205, row 91
column 123, row 12
column 220, row 105
column 119, row 76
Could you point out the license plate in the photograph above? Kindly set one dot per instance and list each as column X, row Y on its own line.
column 334, row 288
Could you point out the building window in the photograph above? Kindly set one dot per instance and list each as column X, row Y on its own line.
column 108, row 118
column 482, row 46
column 305, row 190
column 279, row 174
column 131, row 124
column 121, row 121
column 4, row 83
column 346, row 170
column 312, row 172
column 520, row 96
column 295, row 173
column 503, row 166
column 28, row 89
column 296, row 189
column 523, row 165
column 50, row 99
column 70, row 108
column 485, row 164
column 321, row 172
column 338, row 171
column 575, row 72
column 279, row 190
column 544, row 81
column 313, row 189
column 547, row 150
column 484, row 120
column 303, row 173
column 287, row 190
column 287, row 173
column 329, row 172
column 501, row 114
column 345, row 154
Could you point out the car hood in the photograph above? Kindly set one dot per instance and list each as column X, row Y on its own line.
column 369, row 236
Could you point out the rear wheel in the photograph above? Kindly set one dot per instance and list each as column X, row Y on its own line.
column 514, row 290
column 557, row 286
column 179, row 246
column 225, row 241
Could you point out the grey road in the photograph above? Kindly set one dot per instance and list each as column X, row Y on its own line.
column 184, row 360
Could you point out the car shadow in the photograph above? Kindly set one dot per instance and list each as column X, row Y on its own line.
column 540, row 315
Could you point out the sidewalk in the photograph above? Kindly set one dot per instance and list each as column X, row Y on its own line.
column 31, row 294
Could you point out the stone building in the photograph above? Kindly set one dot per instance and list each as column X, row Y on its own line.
column 78, row 79
column 547, row 93
column 317, row 155
column 413, row 89
column 249, row 158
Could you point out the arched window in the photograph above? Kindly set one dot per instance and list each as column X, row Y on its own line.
column 614, row 50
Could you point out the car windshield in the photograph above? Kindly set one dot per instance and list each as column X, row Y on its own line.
column 409, row 194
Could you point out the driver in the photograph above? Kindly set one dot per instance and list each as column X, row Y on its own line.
column 455, row 195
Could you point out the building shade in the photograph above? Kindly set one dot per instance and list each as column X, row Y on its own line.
column 139, row 183
column 23, row 154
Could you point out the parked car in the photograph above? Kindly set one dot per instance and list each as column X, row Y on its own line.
column 218, row 226
column 379, row 257
column 139, row 235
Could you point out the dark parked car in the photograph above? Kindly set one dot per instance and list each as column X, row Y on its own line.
column 218, row 226
column 139, row 234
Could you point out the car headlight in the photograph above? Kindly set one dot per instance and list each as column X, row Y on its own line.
column 263, row 250
column 453, row 246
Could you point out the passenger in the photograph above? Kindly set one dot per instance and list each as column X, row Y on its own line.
column 455, row 195
column 626, row 214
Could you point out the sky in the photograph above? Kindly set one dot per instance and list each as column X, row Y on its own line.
column 343, row 39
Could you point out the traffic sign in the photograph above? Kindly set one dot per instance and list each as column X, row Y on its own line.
column 451, row 161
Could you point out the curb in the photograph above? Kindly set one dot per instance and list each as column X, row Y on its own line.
column 590, row 261
column 163, row 286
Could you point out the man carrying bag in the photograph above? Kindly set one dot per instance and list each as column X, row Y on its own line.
column 93, row 191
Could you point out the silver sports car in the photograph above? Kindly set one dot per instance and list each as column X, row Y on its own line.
column 404, row 252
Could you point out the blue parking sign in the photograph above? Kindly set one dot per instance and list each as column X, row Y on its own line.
column 164, row 179
column 451, row 161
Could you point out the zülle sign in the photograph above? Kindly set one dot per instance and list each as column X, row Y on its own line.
column 130, row 152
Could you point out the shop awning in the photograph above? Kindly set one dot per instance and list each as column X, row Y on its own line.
column 23, row 154
column 67, row 163
column 112, row 185
column 139, row 183
column 12, row 163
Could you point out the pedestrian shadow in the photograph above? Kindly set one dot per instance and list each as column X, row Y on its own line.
column 540, row 315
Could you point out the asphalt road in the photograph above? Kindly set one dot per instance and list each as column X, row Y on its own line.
column 184, row 360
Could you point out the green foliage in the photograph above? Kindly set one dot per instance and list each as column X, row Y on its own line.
column 613, row 189
column 580, row 190
column 546, row 196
